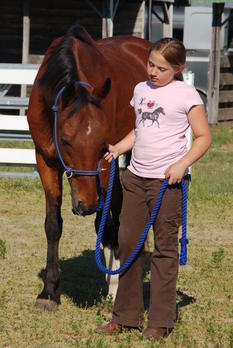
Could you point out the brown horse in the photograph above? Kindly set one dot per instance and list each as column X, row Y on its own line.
column 89, row 118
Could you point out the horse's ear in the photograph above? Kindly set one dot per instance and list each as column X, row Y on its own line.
column 79, row 32
column 102, row 92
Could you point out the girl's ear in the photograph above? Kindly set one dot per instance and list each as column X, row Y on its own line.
column 178, row 74
column 179, row 69
column 102, row 92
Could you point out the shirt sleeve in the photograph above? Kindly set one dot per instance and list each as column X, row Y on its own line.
column 132, row 101
column 192, row 98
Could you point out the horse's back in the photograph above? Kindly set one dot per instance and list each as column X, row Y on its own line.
column 124, row 47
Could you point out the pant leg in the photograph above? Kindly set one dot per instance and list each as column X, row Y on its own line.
column 164, row 260
column 129, row 307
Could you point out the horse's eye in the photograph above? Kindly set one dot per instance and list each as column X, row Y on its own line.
column 65, row 142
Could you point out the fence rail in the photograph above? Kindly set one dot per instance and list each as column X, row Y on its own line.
column 15, row 74
column 14, row 127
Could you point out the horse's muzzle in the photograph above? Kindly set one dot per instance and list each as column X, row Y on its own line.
column 81, row 210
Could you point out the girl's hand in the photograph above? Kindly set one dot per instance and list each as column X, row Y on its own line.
column 175, row 173
column 112, row 153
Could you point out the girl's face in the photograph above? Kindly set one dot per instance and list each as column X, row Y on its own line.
column 160, row 72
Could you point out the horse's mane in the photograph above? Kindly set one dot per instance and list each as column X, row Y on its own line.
column 61, row 70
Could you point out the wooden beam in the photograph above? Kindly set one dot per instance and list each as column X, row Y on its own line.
column 142, row 14
column 149, row 19
column 168, row 20
column 107, row 21
column 109, row 8
column 214, row 65
column 25, row 44
column 99, row 13
column 26, row 32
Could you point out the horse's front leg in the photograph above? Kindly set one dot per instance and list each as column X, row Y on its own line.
column 112, row 280
column 109, row 242
column 51, row 179
column 110, row 236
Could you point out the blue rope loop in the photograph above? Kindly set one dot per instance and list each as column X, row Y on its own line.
column 183, row 240
column 55, row 108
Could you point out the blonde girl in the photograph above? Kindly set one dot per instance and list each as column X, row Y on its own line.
column 165, row 107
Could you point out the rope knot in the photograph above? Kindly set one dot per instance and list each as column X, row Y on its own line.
column 183, row 251
column 55, row 108
column 69, row 173
column 183, row 242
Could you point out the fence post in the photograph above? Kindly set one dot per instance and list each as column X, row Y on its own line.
column 188, row 76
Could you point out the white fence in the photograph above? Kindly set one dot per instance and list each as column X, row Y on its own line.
column 15, row 127
column 15, row 74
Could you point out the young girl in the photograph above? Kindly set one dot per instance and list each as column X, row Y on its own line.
column 165, row 107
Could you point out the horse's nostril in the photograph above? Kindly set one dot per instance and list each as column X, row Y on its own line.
column 80, row 207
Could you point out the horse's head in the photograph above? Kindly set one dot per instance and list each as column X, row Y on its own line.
column 82, row 133
column 85, row 116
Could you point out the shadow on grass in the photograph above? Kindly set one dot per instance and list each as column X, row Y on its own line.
column 81, row 279
column 85, row 284
column 183, row 299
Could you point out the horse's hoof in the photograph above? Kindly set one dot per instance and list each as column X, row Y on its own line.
column 46, row 305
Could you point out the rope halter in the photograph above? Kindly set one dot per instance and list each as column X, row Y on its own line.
column 71, row 171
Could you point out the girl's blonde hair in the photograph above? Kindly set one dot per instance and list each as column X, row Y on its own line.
column 173, row 51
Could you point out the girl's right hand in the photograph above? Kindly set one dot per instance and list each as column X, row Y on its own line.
column 111, row 153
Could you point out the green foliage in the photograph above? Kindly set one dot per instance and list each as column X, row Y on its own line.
column 109, row 302
column 2, row 249
column 3, row 299
column 231, row 338
column 217, row 257
column 222, row 135
column 26, row 144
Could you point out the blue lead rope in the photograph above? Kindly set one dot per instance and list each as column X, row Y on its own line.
column 183, row 240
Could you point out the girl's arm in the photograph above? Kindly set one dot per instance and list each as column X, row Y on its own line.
column 201, row 130
column 121, row 147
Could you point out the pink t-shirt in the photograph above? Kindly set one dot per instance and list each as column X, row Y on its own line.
column 161, row 125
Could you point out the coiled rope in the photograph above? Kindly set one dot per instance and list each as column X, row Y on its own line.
column 183, row 240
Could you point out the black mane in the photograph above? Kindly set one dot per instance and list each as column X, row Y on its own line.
column 61, row 70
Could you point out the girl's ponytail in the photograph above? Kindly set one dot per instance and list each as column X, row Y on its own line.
column 179, row 76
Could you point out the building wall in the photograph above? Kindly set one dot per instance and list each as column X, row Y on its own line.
column 51, row 19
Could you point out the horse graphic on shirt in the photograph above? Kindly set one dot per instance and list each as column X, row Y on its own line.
column 152, row 116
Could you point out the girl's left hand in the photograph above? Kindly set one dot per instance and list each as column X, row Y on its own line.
column 175, row 173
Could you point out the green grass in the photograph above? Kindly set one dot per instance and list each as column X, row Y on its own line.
column 204, row 289
column 20, row 144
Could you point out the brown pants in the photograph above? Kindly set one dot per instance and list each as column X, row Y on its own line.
column 140, row 196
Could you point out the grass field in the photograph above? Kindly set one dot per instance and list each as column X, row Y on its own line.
column 205, row 284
